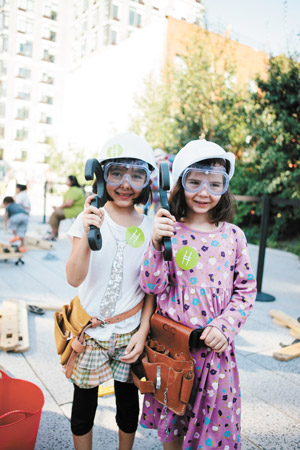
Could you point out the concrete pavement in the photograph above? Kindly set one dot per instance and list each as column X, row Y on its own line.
column 270, row 388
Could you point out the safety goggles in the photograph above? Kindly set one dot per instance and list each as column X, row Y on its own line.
column 214, row 179
column 137, row 175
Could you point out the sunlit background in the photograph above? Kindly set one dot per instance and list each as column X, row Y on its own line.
column 70, row 70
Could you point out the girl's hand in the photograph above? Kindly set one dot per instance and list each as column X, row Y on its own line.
column 134, row 349
column 91, row 215
column 163, row 226
column 214, row 339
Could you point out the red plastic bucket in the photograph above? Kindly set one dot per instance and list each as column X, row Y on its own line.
column 21, row 404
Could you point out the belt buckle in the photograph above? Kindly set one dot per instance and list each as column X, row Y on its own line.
column 103, row 322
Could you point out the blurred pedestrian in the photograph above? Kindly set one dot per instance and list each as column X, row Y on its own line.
column 22, row 197
column 73, row 204
column 15, row 219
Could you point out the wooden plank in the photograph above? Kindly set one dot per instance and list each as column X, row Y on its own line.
column 105, row 390
column 23, row 333
column 35, row 242
column 7, row 251
column 47, row 306
column 20, row 324
column 288, row 353
column 287, row 321
column 9, row 339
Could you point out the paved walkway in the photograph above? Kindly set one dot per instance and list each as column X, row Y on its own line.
column 270, row 388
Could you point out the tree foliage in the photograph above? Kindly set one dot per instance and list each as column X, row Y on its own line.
column 194, row 99
column 271, row 165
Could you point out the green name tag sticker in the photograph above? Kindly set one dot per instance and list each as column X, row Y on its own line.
column 187, row 258
column 114, row 151
column 134, row 237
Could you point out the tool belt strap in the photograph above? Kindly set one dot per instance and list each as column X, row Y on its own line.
column 78, row 343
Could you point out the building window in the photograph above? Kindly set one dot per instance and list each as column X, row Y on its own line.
column 48, row 56
column 23, row 73
column 115, row 12
column 3, row 21
column 4, row 43
column 49, row 34
column 85, row 5
column 135, row 19
column 3, row 68
column 47, row 99
column 113, row 37
column 25, row 25
column 23, row 93
column 20, row 155
column 45, row 119
column 25, row 5
column 2, row 110
column 23, row 155
column 46, row 78
column 2, row 89
column 2, row 134
column 22, row 114
column 50, row 11
column 24, row 48
column 110, row 36
column 21, row 134
column 4, row 3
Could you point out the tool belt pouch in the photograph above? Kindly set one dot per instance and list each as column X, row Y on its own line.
column 166, row 368
column 68, row 324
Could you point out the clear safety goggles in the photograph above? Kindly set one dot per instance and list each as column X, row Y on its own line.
column 137, row 175
column 214, row 179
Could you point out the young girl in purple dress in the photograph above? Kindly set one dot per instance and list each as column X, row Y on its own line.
column 208, row 286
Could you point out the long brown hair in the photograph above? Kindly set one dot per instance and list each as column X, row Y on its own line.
column 222, row 212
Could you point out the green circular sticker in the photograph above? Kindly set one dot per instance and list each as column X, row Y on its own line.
column 134, row 237
column 187, row 258
column 114, row 151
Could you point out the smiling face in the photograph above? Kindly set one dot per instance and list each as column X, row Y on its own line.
column 123, row 195
column 203, row 188
column 201, row 202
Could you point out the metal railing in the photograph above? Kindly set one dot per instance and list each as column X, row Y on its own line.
column 266, row 201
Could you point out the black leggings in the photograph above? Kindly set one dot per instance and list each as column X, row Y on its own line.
column 85, row 403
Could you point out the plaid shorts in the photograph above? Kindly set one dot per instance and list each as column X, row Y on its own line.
column 100, row 361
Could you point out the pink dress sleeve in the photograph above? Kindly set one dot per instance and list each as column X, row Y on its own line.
column 154, row 271
column 235, row 314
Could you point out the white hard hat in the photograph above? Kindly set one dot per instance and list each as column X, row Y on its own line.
column 199, row 150
column 128, row 145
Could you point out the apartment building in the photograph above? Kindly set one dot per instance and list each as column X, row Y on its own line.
column 31, row 80
column 41, row 43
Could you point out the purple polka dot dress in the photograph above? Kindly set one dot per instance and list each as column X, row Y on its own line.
column 208, row 282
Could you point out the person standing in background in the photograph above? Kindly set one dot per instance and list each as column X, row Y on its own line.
column 15, row 219
column 22, row 197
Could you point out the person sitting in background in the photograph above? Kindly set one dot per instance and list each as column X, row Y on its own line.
column 15, row 219
column 73, row 204
column 22, row 197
